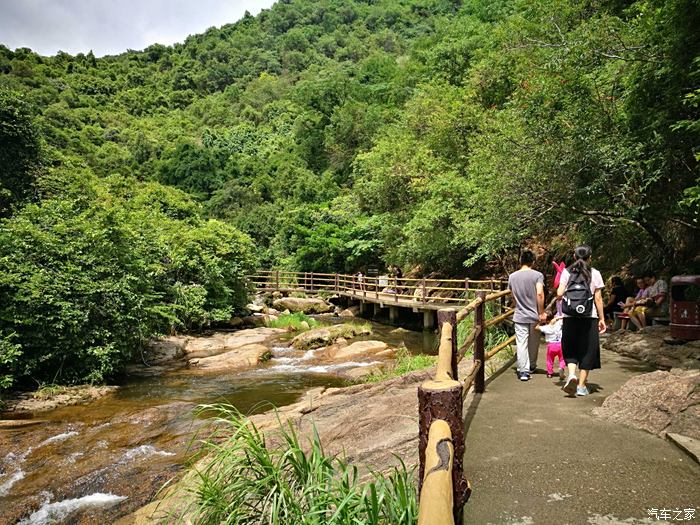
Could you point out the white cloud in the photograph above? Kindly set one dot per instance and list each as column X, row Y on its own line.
column 111, row 27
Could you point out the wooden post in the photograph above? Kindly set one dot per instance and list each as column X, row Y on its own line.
column 425, row 296
column 277, row 280
column 479, row 321
column 437, row 498
column 503, row 299
column 337, row 283
column 449, row 316
column 312, row 281
column 466, row 289
column 442, row 400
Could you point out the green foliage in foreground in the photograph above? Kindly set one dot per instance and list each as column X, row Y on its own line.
column 293, row 321
column 250, row 480
column 405, row 363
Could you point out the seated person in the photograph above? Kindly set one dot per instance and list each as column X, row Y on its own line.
column 655, row 304
column 616, row 298
column 633, row 302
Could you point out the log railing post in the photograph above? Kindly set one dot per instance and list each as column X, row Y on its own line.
column 442, row 400
column 312, row 282
column 480, row 322
column 337, row 283
column 425, row 297
column 448, row 318
column 277, row 280
column 437, row 497
column 466, row 290
column 503, row 299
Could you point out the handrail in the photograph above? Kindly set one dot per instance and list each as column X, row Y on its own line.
column 404, row 291
column 440, row 406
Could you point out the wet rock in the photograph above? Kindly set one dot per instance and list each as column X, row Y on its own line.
column 165, row 350
column 243, row 357
column 255, row 308
column 361, row 372
column 216, row 343
column 326, row 335
column 649, row 345
column 353, row 311
column 657, row 402
column 304, row 325
column 11, row 424
column 304, row 305
column 235, row 322
column 358, row 349
column 64, row 396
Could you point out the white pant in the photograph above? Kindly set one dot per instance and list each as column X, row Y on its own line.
column 527, row 344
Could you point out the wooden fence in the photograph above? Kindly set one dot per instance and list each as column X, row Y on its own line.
column 443, row 488
column 404, row 291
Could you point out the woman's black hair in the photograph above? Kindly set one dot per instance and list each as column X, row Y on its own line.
column 617, row 280
column 582, row 254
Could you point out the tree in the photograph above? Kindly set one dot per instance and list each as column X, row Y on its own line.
column 20, row 151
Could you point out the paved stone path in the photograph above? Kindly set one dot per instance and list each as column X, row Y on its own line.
column 536, row 456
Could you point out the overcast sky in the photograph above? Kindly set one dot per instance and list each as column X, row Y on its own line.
column 109, row 27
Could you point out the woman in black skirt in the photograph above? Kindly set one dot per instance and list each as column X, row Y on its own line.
column 580, row 343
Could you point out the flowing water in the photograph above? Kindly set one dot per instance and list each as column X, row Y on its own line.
column 96, row 462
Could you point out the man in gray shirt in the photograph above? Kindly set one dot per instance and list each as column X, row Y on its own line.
column 527, row 287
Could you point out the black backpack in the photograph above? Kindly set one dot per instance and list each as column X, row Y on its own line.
column 578, row 299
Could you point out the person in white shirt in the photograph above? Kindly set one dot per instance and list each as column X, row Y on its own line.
column 552, row 336
column 584, row 319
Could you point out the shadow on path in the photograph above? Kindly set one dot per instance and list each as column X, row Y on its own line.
column 535, row 455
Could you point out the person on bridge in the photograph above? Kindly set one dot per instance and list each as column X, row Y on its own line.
column 581, row 287
column 527, row 287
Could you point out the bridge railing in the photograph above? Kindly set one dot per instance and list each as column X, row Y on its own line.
column 385, row 289
column 443, row 488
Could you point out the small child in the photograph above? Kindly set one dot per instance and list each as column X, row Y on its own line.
column 552, row 335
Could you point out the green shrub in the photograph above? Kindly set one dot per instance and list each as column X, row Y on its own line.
column 248, row 481
column 293, row 321
column 405, row 363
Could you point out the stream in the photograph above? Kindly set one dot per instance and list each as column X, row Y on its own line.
column 93, row 463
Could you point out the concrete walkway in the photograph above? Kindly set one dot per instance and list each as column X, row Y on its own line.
column 535, row 455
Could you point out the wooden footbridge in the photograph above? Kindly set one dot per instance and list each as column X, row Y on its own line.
column 419, row 295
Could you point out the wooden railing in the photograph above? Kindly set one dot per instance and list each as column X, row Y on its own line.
column 443, row 487
column 384, row 289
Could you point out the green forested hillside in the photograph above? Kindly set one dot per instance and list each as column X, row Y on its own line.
column 338, row 134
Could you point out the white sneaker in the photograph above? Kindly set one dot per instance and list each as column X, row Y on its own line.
column 570, row 385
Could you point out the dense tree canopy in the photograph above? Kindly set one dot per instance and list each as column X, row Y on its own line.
column 339, row 134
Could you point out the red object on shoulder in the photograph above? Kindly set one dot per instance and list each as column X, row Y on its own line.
column 559, row 267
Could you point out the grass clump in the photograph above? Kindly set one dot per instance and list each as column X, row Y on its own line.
column 48, row 391
column 293, row 322
column 248, row 481
column 405, row 363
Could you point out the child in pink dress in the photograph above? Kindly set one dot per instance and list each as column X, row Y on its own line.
column 552, row 336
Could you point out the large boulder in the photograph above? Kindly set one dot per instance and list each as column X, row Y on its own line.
column 182, row 346
column 657, row 402
column 650, row 345
column 242, row 357
column 326, row 335
column 307, row 305
column 353, row 311
column 357, row 349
